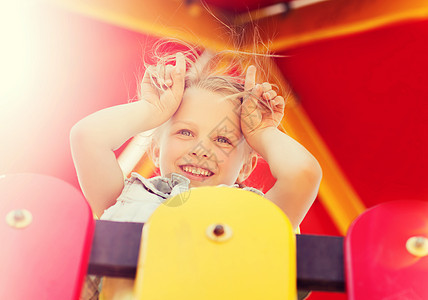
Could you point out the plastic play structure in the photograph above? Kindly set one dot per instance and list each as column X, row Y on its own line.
column 357, row 71
column 220, row 243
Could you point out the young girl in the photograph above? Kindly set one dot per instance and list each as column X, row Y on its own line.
column 209, row 128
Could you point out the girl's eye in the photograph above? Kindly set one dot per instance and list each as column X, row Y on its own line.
column 185, row 132
column 223, row 140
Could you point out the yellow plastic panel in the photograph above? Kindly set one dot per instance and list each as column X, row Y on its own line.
column 253, row 256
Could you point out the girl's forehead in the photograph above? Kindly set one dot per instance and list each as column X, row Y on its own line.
column 205, row 107
column 198, row 99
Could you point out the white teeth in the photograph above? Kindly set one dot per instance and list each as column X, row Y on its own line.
column 196, row 171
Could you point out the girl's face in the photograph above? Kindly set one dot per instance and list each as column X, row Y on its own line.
column 203, row 140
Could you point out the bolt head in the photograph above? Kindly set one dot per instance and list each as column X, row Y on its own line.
column 417, row 246
column 219, row 232
column 19, row 218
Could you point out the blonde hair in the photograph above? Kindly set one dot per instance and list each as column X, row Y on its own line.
column 222, row 72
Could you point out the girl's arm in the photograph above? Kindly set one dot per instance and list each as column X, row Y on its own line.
column 94, row 138
column 297, row 172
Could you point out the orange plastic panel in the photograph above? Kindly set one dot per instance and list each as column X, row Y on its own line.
column 386, row 252
column 46, row 231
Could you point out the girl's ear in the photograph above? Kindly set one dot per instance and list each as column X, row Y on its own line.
column 154, row 153
column 248, row 167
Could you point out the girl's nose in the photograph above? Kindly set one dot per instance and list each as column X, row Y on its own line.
column 203, row 155
column 200, row 150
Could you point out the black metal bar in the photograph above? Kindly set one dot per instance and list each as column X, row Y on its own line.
column 320, row 263
column 115, row 250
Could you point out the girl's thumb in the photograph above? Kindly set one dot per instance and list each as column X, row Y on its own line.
column 178, row 74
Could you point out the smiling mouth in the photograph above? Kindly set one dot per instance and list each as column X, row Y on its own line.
column 196, row 171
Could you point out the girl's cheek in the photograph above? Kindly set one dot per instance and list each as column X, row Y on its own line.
column 223, row 155
column 181, row 146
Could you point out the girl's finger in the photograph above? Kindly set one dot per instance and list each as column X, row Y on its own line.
column 168, row 71
column 178, row 74
column 273, row 94
column 278, row 103
column 160, row 69
column 250, row 78
column 259, row 90
column 180, row 64
column 148, row 75
column 266, row 86
column 269, row 95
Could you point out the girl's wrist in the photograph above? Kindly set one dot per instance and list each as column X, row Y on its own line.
column 152, row 116
column 258, row 138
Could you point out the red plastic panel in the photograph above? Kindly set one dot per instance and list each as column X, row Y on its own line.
column 378, row 264
column 48, row 258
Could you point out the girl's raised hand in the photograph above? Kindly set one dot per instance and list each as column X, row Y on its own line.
column 165, row 91
column 262, row 108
